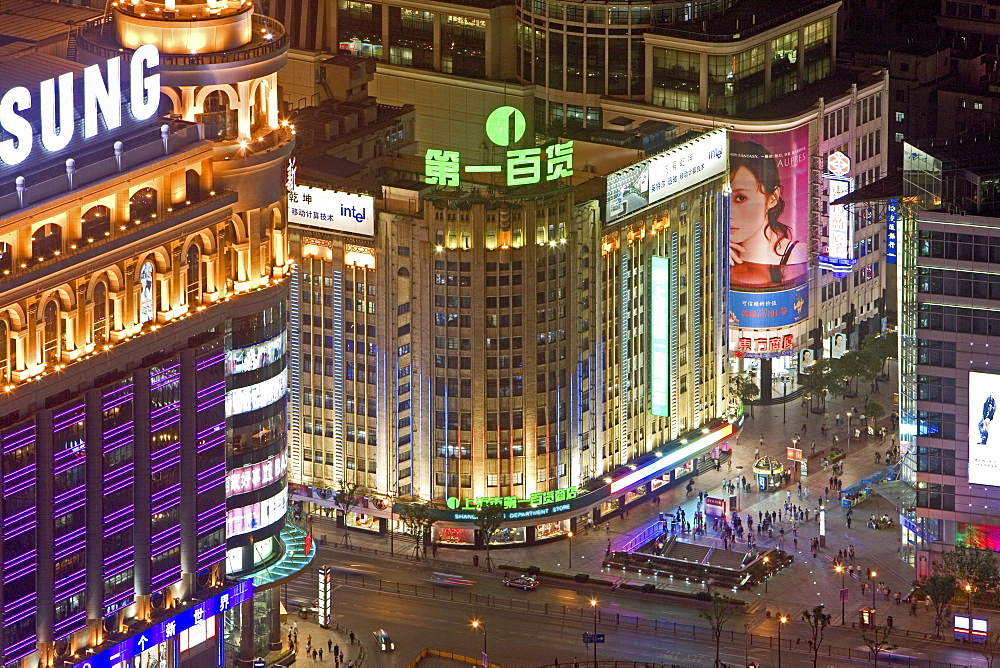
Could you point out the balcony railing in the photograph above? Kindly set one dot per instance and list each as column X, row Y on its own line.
column 98, row 38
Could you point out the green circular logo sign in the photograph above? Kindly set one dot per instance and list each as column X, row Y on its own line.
column 505, row 126
column 453, row 503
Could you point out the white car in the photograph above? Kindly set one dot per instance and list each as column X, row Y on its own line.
column 385, row 643
column 525, row 582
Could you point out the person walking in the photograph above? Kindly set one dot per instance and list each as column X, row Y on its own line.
column 320, row 653
column 352, row 637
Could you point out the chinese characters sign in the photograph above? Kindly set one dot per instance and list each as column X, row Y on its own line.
column 839, row 256
column 764, row 345
column 255, row 476
column 512, row 502
column 762, row 310
column 332, row 210
column 892, row 220
column 504, row 127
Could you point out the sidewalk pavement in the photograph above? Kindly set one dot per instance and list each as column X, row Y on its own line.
column 805, row 583
column 312, row 636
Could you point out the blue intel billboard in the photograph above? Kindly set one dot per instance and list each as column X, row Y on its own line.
column 768, row 310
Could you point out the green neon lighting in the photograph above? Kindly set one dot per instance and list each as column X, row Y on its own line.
column 505, row 126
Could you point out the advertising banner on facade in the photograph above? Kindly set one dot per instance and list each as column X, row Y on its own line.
column 666, row 174
column 659, row 347
column 763, row 310
column 764, row 343
column 984, row 439
column 332, row 210
column 839, row 256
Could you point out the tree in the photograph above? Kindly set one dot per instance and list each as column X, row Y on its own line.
column 940, row 589
column 489, row 517
column 884, row 347
column 975, row 568
column 417, row 519
column 848, row 369
column 989, row 648
column 818, row 621
column 723, row 609
column 346, row 499
column 817, row 383
column 878, row 640
column 874, row 411
column 742, row 385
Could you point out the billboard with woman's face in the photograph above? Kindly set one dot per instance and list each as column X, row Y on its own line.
column 769, row 223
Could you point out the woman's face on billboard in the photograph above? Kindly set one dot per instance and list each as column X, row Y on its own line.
column 748, row 215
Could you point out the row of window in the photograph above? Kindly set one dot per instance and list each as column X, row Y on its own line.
column 957, row 319
column 953, row 246
column 958, row 283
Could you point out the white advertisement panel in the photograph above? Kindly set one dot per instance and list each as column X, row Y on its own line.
column 332, row 210
column 256, row 516
column 254, row 476
column 670, row 172
column 984, row 442
column 245, row 399
column 840, row 220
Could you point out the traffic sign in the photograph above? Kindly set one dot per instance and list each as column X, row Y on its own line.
column 593, row 638
column 259, row 663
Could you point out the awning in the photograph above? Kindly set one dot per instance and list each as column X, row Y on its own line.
column 897, row 492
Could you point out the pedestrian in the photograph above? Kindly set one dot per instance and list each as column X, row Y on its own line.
column 320, row 653
column 805, row 427
column 761, row 440
column 336, row 651
column 730, row 464
column 309, row 641
column 888, row 621
column 350, row 664
column 314, row 654
column 913, row 609
column 898, row 597
column 352, row 637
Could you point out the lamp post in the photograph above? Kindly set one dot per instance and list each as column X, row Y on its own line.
column 781, row 621
column 570, row 534
column 476, row 624
column 849, row 415
column 739, row 486
column 784, row 399
column 593, row 604
column 767, row 560
column 843, row 585
column 872, row 575
column 968, row 595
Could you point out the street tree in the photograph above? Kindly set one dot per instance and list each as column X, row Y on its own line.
column 489, row 517
column 818, row 621
column 817, row 383
column 990, row 648
column 418, row 521
column 940, row 589
column 722, row 611
column 976, row 568
column 878, row 640
column 884, row 347
column 744, row 386
column 874, row 411
column 344, row 500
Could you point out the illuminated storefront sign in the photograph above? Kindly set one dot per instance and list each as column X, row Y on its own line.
column 509, row 502
column 255, row 476
column 764, row 344
column 505, row 126
column 332, row 210
column 766, row 310
column 257, row 356
column 892, row 222
column 201, row 614
column 245, row 399
column 672, row 459
column 659, row 327
column 839, row 257
column 257, row 515
column 670, row 172
column 102, row 98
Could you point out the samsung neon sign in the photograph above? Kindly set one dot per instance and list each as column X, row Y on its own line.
column 102, row 96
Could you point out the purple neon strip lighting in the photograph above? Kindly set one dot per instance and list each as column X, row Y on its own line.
column 75, row 534
column 124, row 524
column 110, row 488
column 173, row 461
column 119, row 433
column 157, row 550
column 69, row 494
column 212, row 556
column 122, row 470
column 214, row 387
column 18, row 516
column 20, row 438
column 165, row 451
column 209, row 361
column 213, row 471
column 11, row 574
column 27, row 600
column 27, row 472
column 20, row 649
column 114, row 598
column 71, row 586
column 17, row 531
column 172, row 574
column 220, row 508
column 74, row 622
column 10, row 563
column 12, row 617
column 167, row 534
column 119, row 514
column 211, row 431
column 163, row 493
column 118, row 564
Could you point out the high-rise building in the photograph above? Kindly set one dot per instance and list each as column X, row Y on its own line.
column 641, row 93
column 949, row 228
column 144, row 342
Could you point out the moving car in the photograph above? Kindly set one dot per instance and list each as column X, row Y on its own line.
column 385, row 643
column 449, row 580
column 524, row 582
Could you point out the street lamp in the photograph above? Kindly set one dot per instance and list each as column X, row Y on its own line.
column 843, row 585
column 781, row 621
column 476, row 624
column 968, row 594
column 570, row 534
column 872, row 575
column 739, row 486
column 593, row 604
column 784, row 399
column 849, row 415
column 767, row 560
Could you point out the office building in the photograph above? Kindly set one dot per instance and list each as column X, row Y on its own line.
column 144, row 348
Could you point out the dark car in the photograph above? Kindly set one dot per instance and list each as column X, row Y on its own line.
column 385, row 643
column 524, row 582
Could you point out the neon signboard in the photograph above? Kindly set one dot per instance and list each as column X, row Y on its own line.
column 505, row 126
column 254, row 476
column 512, row 502
column 659, row 346
column 839, row 256
column 102, row 98
column 892, row 221
column 669, row 460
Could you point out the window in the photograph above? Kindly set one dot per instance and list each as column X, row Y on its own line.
column 146, row 293
column 193, row 275
column 4, row 351
column 50, row 320
column 99, row 321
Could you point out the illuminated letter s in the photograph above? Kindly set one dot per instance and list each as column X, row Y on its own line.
column 19, row 98
column 145, row 89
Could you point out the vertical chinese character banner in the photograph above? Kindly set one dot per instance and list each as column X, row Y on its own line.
column 768, row 239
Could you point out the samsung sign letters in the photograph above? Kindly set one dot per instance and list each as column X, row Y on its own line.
column 101, row 95
column 332, row 210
